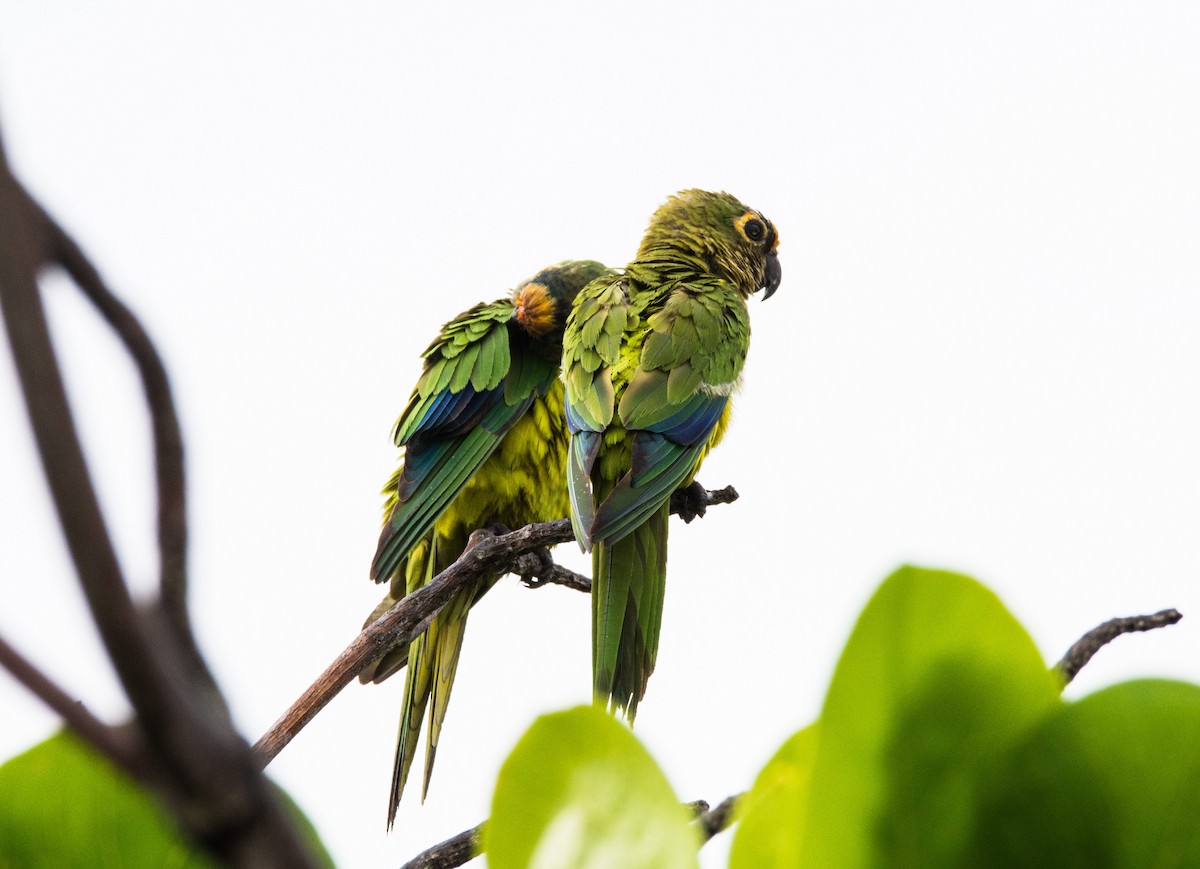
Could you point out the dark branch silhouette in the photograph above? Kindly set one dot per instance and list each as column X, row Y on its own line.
column 111, row 742
column 195, row 760
column 455, row 851
column 1090, row 643
column 521, row 552
column 62, row 250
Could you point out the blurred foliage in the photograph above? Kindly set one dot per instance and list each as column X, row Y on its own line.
column 579, row 790
column 943, row 742
column 63, row 806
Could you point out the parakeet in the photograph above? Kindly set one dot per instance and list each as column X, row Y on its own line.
column 651, row 358
column 485, row 442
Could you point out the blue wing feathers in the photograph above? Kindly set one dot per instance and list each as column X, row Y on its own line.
column 446, row 408
column 576, row 423
column 633, row 500
column 447, row 468
column 663, row 456
column 694, row 422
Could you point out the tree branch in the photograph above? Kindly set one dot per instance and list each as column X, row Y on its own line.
column 112, row 742
column 720, row 817
column 1090, row 643
column 522, row 552
column 461, row 849
column 201, row 767
column 62, row 250
column 455, row 851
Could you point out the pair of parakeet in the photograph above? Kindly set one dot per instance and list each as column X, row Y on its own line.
column 650, row 356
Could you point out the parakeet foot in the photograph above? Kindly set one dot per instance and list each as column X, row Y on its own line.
column 690, row 501
column 533, row 566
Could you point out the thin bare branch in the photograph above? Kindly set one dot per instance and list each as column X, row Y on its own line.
column 63, row 251
column 515, row 552
column 718, row 818
column 485, row 552
column 62, row 458
column 455, row 851
column 461, row 849
column 112, row 742
column 201, row 767
column 1098, row 637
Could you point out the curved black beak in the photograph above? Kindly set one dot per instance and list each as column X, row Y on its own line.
column 772, row 275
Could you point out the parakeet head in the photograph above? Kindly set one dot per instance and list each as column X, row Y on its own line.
column 732, row 241
column 543, row 302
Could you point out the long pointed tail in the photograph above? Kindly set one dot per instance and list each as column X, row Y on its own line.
column 629, row 578
column 417, row 679
column 432, row 660
column 448, row 632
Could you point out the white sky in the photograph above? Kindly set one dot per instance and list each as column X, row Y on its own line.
column 983, row 355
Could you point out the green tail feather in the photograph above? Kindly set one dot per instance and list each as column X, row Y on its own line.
column 432, row 660
column 416, row 683
column 451, row 626
column 629, row 579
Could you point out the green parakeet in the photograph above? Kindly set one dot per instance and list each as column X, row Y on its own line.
column 484, row 443
column 651, row 357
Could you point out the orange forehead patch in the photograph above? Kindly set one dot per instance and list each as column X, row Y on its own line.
column 535, row 309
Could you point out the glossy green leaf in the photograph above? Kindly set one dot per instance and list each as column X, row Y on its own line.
column 579, row 790
column 1110, row 781
column 61, row 805
column 770, row 818
column 936, row 680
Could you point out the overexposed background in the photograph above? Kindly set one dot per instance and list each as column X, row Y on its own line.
column 983, row 356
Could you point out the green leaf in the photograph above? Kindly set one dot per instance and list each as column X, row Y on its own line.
column 61, row 805
column 579, row 790
column 1110, row 781
column 770, row 818
column 936, row 680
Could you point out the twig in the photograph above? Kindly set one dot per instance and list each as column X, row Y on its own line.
column 1091, row 642
column 485, row 552
column 201, row 767
column 718, row 818
column 62, row 458
column 455, row 851
column 461, row 849
column 168, row 438
column 111, row 742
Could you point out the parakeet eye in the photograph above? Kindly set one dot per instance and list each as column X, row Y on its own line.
column 754, row 230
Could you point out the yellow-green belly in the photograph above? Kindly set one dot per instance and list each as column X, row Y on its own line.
column 523, row 481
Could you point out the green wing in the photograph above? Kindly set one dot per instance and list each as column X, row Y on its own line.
column 473, row 390
column 690, row 363
column 591, row 347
